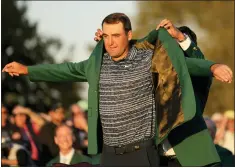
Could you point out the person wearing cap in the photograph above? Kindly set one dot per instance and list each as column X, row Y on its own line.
column 24, row 120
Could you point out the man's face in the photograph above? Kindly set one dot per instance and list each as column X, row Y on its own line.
column 58, row 114
column 75, row 109
column 116, row 40
column 20, row 120
column 64, row 138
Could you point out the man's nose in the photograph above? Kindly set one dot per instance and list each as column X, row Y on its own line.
column 110, row 41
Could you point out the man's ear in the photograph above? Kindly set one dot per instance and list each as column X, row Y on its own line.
column 129, row 35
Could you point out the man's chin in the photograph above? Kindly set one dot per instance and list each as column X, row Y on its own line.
column 114, row 56
column 66, row 148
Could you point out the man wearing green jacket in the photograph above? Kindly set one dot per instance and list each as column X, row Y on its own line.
column 64, row 138
column 131, row 111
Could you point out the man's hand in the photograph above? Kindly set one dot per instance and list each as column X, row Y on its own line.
column 21, row 110
column 222, row 73
column 172, row 30
column 98, row 35
column 4, row 161
column 15, row 69
column 16, row 136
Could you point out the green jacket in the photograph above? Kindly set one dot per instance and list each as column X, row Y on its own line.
column 174, row 95
column 195, row 130
column 77, row 158
column 226, row 156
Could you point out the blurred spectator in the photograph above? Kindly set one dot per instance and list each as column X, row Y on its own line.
column 6, row 126
column 80, row 128
column 76, row 109
column 12, row 119
column 46, row 135
column 45, row 116
column 23, row 118
column 36, row 120
column 226, row 156
column 64, row 139
column 228, row 141
column 15, row 154
column 84, row 105
column 218, row 119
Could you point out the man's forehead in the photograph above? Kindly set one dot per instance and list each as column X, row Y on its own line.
column 63, row 129
column 112, row 28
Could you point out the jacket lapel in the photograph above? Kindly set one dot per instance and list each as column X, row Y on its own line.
column 75, row 159
column 174, row 96
column 182, row 105
column 98, row 59
column 57, row 159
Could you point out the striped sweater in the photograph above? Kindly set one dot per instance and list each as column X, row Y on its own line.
column 126, row 98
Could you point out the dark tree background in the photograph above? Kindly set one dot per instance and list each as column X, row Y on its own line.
column 22, row 43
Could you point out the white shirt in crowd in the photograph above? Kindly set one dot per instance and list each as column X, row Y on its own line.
column 66, row 159
column 229, row 141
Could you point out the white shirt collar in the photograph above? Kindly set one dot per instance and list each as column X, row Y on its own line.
column 66, row 159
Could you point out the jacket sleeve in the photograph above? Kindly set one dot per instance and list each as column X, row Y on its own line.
column 199, row 67
column 65, row 72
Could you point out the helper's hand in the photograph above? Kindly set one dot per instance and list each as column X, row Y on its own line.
column 15, row 69
column 98, row 35
column 172, row 30
column 222, row 73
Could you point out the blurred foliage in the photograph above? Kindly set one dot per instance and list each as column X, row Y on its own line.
column 213, row 22
column 22, row 43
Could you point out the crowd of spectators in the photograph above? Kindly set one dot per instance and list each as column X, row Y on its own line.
column 61, row 136
column 37, row 138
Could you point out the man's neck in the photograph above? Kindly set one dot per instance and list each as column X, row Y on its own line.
column 65, row 151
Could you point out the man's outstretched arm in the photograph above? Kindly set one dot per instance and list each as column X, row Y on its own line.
column 201, row 67
column 64, row 72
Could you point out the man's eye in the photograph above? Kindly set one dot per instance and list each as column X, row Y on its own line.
column 105, row 36
column 116, row 35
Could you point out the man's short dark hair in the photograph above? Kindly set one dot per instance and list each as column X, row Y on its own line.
column 56, row 106
column 116, row 18
column 189, row 32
